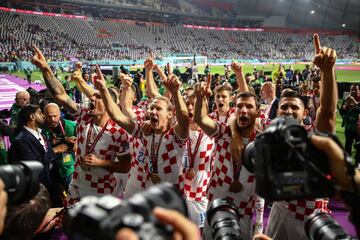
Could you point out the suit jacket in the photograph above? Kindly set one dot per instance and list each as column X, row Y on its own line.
column 27, row 147
column 273, row 110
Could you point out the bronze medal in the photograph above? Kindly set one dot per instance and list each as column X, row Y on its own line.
column 235, row 186
column 155, row 178
column 190, row 173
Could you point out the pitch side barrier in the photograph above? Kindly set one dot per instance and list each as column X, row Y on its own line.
column 110, row 65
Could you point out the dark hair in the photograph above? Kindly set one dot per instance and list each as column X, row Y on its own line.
column 24, row 219
column 292, row 94
column 26, row 112
column 250, row 95
column 315, row 79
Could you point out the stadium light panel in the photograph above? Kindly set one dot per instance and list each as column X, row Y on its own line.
column 312, row 11
column 343, row 25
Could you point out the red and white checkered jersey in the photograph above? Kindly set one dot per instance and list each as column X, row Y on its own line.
column 113, row 142
column 215, row 115
column 304, row 207
column 195, row 189
column 143, row 104
column 137, row 174
column 222, row 174
column 170, row 155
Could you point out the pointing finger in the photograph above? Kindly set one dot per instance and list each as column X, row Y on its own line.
column 317, row 43
column 208, row 80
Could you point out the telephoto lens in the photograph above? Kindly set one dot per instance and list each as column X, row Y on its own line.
column 321, row 226
column 223, row 218
column 21, row 180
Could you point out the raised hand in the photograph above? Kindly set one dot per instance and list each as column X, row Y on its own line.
column 207, row 88
column 126, row 80
column 237, row 67
column 99, row 79
column 39, row 60
column 77, row 74
column 325, row 58
column 172, row 84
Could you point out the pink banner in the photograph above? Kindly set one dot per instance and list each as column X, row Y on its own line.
column 41, row 13
column 225, row 29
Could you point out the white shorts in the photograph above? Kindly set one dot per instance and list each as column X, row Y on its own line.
column 282, row 225
column 197, row 212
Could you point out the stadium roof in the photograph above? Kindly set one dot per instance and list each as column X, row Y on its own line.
column 323, row 14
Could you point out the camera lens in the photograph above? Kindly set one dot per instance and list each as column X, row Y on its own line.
column 321, row 226
column 162, row 195
column 21, row 180
column 223, row 218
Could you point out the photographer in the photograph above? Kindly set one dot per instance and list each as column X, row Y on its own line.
column 350, row 112
column 287, row 217
column 58, row 131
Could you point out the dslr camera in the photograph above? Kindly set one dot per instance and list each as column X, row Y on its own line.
column 286, row 164
column 101, row 218
column 21, row 180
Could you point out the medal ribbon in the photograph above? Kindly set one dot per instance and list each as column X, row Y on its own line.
column 155, row 154
column 91, row 148
column 236, row 164
column 193, row 155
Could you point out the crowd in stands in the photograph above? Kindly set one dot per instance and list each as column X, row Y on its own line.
column 122, row 139
column 61, row 38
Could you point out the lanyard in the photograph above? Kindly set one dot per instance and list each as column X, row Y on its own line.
column 61, row 127
column 236, row 164
column 155, row 154
column 91, row 148
column 193, row 155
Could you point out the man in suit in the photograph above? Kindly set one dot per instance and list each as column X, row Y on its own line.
column 269, row 96
column 31, row 144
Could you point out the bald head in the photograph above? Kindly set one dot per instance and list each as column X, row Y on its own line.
column 52, row 115
column 268, row 91
column 22, row 98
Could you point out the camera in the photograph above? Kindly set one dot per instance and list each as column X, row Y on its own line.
column 321, row 226
column 102, row 218
column 21, row 180
column 223, row 218
column 286, row 164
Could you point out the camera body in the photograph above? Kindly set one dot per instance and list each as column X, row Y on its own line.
column 21, row 180
column 287, row 165
column 102, row 218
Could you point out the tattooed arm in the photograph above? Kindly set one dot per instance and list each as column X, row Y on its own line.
column 53, row 85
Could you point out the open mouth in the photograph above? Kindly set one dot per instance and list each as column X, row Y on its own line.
column 154, row 120
column 243, row 119
column 220, row 105
column 91, row 106
column 191, row 115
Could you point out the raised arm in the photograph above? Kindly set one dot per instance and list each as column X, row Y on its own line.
column 80, row 82
column 112, row 109
column 242, row 85
column 201, row 110
column 326, row 114
column 53, row 85
column 151, row 88
column 126, row 97
column 182, row 115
